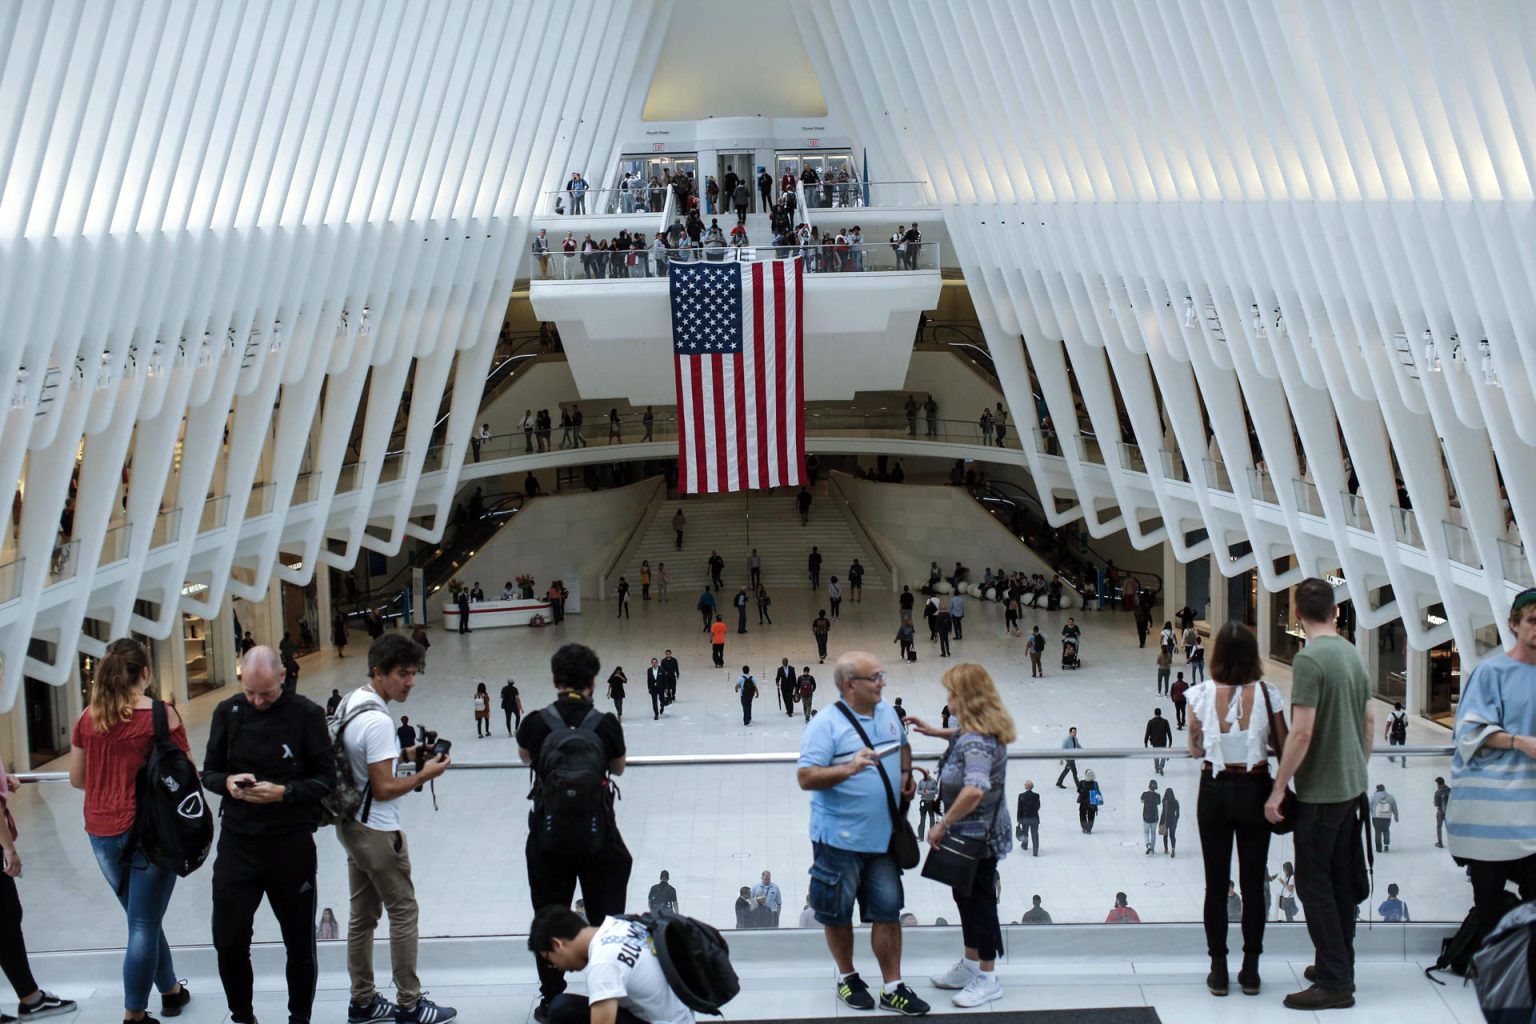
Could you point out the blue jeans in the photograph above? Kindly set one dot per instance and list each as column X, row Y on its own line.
column 147, row 960
column 839, row 877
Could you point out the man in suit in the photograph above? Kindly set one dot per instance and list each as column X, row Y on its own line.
column 788, row 681
column 656, row 686
column 669, row 673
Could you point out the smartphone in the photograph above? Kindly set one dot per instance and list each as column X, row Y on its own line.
column 245, row 783
column 887, row 748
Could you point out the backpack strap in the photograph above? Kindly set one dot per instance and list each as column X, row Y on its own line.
column 162, row 734
column 341, row 727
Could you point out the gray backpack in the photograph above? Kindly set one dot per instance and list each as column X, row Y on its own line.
column 1506, row 968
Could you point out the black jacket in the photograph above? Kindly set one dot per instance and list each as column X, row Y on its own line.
column 1029, row 805
column 1158, row 733
column 287, row 744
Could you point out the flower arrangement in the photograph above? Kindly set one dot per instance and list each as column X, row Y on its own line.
column 454, row 586
column 525, row 586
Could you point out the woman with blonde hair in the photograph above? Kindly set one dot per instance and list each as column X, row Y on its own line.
column 972, row 778
column 110, row 742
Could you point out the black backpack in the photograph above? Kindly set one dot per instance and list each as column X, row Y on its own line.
column 1456, row 950
column 172, row 823
column 346, row 796
column 573, row 814
column 1399, row 728
column 695, row 959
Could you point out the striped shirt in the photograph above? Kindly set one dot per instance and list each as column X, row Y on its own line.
column 1492, row 810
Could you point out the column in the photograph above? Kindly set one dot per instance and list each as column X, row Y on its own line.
column 1416, row 699
column 223, row 652
column 170, row 656
column 1172, row 597
column 1218, row 611
column 323, row 607
column 1367, row 642
column 1265, row 616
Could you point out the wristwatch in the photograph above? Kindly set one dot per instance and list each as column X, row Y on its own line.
column 287, row 794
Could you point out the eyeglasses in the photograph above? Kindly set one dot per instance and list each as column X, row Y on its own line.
column 877, row 677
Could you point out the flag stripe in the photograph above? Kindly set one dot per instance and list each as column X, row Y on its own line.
column 684, row 396
column 789, row 398
column 761, row 407
column 797, row 354
column 700, row 454
column 720, row 414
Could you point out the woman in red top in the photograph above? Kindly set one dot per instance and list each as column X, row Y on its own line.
column 110, row 742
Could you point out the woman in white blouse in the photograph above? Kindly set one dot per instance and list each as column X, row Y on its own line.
column 1229, row 729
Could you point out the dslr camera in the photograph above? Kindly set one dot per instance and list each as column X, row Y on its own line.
column 431, row 748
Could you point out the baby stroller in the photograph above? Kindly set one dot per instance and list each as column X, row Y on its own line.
column 1069, row 658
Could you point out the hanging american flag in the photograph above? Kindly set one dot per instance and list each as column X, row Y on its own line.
column 736, row 342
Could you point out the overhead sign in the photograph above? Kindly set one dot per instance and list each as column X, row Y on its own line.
column 813, row 143
column 659, row 147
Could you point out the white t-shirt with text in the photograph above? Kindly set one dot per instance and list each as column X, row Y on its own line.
column 370, row 738
column 622, row 965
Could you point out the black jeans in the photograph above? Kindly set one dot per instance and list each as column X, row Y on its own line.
column 656, row 703
column 510, row 712
column 569, row 1009
column 1326, row 840
column 979, row 928
column 746, row 711
column 604, row 877
column 1085, row 815
column 13, row 945
column 1488, row 881
column 1179, row 707
column 1029, row 830
column 1231, row 808
column 1071, row 766
column 281, row 868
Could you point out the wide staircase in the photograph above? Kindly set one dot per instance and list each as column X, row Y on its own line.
column 734, row 524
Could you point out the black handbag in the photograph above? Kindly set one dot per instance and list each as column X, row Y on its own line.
column 955, row 860
column 903, row 840
column 1288, row 803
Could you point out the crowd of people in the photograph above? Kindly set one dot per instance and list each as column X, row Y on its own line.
column 281, row 769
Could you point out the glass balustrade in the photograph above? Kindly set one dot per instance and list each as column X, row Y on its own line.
column 1308, row 499
column 1356, row 513
column 1088, row 449
column 351, row 477
column 259, row 502
column 688, row 815
column 1131, row 458
column 1515, row 565
column 1216, row 476
column 1405, row 526
column 114, row 544
column 1174, row 467
column 1261, row 487
column 10, row 579
column 1459, row 546
column 215, row 514
column 649, row 263
column 835, row 195
column 64, row 561
column 1046, row 441
column 605, row 202
column 394, row 466
column 167, row 528
column 306, row 488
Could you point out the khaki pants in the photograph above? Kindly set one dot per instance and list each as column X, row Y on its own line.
column 379, row 879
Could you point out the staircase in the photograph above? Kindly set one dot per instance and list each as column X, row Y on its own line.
column 734, row 524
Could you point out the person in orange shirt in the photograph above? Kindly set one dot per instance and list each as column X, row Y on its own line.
column 717, row 641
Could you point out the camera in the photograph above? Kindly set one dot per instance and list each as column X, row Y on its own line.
column 431, row 747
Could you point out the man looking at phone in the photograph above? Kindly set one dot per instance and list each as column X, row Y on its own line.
column 378, row 860
column 851, row 827
column 269, row 756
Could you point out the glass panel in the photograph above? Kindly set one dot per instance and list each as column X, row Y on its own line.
column 214, row 515
column 1260, row 486
column 1046, row 442
column 438, row 457
column 64, row 562
column 1130, row 458
column 394, row 466
column 1088, row 449
column 828, row 257
column 1308, row 499
column 1174, row 467
column 1512, row 559
column 1459, row 546
column 114, row 546
column 350, row 477
column 10, row 579
column 306, row 488
column 167, row 528
column 1216, row 476
column 260, row 501
column 1405, row 526
column 1355, row 513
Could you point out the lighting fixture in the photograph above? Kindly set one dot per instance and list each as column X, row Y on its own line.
column 1431, row 356
column 1485, row 359
column 19, row 393
column 1258, row 323
column 1191, row 317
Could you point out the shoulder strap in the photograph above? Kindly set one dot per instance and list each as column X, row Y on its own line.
column 1275, row 742
column 890, row 794
column 162, row 721
column 553, row 717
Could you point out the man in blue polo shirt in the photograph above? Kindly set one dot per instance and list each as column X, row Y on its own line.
column 851, row 828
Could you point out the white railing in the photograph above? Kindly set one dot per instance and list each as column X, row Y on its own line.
column 639, row 264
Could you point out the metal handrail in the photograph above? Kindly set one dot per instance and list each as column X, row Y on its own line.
column 793, row 756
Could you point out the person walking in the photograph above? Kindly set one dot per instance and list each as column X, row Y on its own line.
column 972, row 775
column 1383, row 814
column 679, row 524
column 269, row 756
column 942, row 624
column 1143, row 617
column 856, row 764
column 662, row 579
column 1151, row 809
column 1158, row 735
column 1442, row 799
column 1196, row 662
column 706, row 607
column 1028, row 827
column 656, row 689
column 1393, row 910
column 717, row 634
column 763, row 603
column 378, row 856
column 617, row 680
column 482, row 711
column 716, row 571
column 111, row 739
column 1036, row 652
column 1179, row 694
column 803, row 503
column 1168, row 824
column 856, row 582
column 511, row 706
column 740, row 601
column 1011, row 616
column 1286, row 903
column 821, row 626
column 813, row 566
column 645, row 579
column 622, row 593
column 834, row 597
column 806, row 691
column 1332, row 727
column 1164, row 668
column 1089, row 799
column 1069, row 743
column 906, row 638
column 568, row 844
column 957, row 614
column 671, row 672
column 746, row 689
column 754, row 568
column 786, row 681
column 34, row 1002
column 1396, row 732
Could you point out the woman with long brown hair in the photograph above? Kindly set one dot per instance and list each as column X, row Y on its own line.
column 110, row 741
column 972, row 778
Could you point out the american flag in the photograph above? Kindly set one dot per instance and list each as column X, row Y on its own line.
column 736, row 342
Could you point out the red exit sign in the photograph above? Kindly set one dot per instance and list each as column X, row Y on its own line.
column 813, row 143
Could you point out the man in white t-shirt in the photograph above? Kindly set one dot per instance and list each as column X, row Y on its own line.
column 378, row 860
column 625, row 983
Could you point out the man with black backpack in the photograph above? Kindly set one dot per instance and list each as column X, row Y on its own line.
column 270, row 757
column 573, row 835
column 378, row 859
column 625, row 980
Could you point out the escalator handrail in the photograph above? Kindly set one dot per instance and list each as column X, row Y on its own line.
column 1084, row 564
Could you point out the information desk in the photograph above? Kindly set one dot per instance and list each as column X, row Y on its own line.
column 484, row 614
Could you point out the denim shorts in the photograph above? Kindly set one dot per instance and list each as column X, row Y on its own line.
column 839, row 876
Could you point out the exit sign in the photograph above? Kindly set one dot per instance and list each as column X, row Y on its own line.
column 813, row 143
column 658, row 147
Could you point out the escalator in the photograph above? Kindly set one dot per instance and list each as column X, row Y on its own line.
column 1062, row 548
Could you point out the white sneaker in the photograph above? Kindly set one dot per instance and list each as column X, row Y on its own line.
column 958, row 976
column 983, row 988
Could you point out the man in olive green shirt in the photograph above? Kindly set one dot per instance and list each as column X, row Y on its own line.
column 1326, row 752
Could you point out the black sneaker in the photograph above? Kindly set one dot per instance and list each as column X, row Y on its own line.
column 425, row 1012
column 853, row 992
column 170, row 1005
column 379, row 1009
column 541, row 1012
column 148, row 1018
column 47, row 1006
column 903, row 1000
